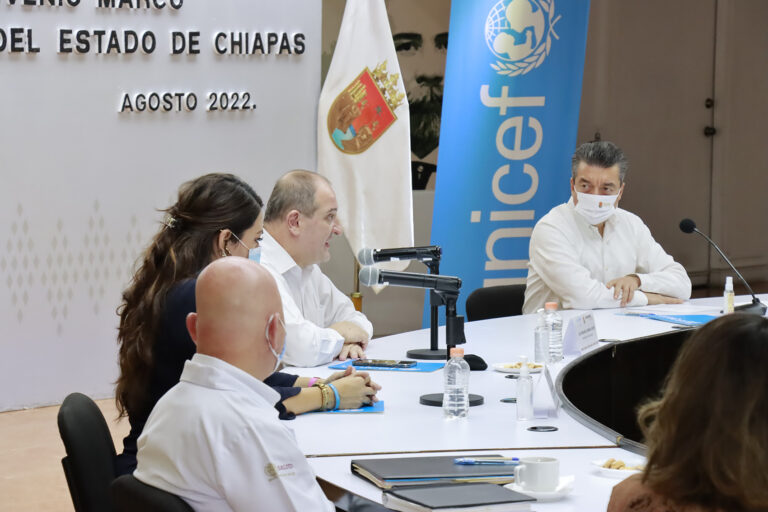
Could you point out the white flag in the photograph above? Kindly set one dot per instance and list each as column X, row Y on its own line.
column 363, row 135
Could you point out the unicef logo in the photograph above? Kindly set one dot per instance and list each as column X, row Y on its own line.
column 519, row 32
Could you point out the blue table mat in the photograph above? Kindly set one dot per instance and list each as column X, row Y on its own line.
column 376, row 407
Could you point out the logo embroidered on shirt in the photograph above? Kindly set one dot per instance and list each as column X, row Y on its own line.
column 273, row 471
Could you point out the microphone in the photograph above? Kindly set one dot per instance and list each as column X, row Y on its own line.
column 368, row 256
column 370, row 276
column 688, row 226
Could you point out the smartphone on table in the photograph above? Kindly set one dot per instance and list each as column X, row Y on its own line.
column 384, row 363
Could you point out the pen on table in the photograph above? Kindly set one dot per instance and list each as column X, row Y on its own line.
column 500, row 461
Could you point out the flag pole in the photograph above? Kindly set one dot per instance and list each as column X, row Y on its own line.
column 357, row 297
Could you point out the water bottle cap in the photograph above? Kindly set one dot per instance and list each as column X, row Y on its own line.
column 549, row 306
column 457, row 352
column 524, row 366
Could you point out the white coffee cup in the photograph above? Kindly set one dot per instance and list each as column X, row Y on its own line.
column 540, row 474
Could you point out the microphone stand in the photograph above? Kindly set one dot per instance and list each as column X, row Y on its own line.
column 435, row 301
column 454, row 335
column 755, row 307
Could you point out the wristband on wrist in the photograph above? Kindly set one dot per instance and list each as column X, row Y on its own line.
column 335, row 394
column 312, row 381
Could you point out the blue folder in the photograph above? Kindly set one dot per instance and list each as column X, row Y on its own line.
column 687, row 320
column 419, row 367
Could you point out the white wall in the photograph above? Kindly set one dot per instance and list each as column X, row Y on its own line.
column 81, row 182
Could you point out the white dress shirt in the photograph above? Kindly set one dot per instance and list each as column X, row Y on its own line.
column 215, row 440
column 570, row 263
column 310, row 304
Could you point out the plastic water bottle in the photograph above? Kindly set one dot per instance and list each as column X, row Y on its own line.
column 456, row 395
column 541, row 339
column 554, row 325
column 524, row 392
column 728, row 295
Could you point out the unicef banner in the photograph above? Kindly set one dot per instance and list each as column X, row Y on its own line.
column 510, row 115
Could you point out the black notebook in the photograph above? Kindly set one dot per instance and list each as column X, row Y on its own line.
column 389, row 472
column 448, row 498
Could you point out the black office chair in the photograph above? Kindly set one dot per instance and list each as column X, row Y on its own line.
column 130, row 495
column 90, row 462
column 495, row 302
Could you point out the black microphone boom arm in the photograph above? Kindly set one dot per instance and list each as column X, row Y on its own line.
column 722, row 255
column 756, row 307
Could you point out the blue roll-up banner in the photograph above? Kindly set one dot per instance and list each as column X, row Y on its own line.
column 509, row 122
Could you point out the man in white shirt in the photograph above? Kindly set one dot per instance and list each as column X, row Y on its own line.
column 589, row 254
column 299, row 222
column 215, row 439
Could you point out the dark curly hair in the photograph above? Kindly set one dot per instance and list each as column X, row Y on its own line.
column 182, row 247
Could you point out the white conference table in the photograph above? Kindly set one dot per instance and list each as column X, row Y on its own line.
column 331, row 440
column 407, row 426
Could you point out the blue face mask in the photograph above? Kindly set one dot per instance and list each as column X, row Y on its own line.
column 278, row 357
column 253, row 254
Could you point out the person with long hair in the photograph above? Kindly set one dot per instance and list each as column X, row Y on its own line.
column 707, row 436
column 215, row 216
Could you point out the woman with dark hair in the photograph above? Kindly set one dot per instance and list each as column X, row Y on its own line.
column 707, row 436
column 216, row 215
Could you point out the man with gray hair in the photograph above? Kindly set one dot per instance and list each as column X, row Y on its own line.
column 321, row 321
column 589, row 254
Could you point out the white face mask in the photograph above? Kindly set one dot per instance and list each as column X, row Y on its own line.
column 595, row 209
column 278, row 357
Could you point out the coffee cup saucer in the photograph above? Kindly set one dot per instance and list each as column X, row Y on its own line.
column 563, row 489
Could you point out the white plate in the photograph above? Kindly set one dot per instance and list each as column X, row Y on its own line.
column 564, row 488
column 499, row 367
column 618, row 473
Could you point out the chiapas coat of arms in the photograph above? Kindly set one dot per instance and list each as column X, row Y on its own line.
column 364, row 110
